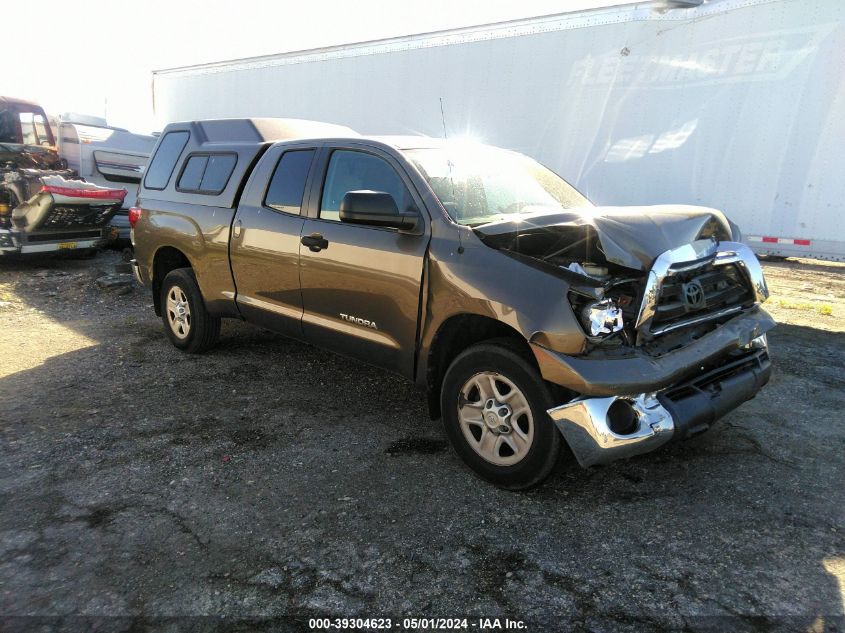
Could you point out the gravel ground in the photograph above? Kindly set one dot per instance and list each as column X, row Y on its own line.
column 265, row 483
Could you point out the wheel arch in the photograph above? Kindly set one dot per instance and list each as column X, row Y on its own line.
column 453, row 336
column 166, row 259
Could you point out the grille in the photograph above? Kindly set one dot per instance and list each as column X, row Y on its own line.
column 712, row 288
column 77, row 216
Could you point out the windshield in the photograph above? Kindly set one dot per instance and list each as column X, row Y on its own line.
column 480, row 184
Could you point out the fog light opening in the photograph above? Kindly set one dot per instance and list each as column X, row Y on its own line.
column 622, row 418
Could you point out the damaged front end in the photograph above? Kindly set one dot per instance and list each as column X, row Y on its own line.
column 669, row 305
column 49, row 209
column 602, row 429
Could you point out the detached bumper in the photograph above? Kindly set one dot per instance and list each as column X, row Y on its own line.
column 641, row 373
column 602, row 430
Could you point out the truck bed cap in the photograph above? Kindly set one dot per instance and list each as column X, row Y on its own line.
column 259, row 130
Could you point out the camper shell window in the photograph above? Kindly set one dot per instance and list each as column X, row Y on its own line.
column 164, row 160
column 206, row 173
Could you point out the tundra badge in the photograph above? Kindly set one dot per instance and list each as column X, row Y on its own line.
column 358, row 321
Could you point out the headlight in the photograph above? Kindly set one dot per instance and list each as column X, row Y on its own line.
column 601, row 318
column 761, row 342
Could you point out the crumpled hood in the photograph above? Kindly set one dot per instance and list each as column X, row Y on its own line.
column 629, row 236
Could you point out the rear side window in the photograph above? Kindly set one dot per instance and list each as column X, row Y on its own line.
column 207, row 173
column 288, row 183
column 162, row 164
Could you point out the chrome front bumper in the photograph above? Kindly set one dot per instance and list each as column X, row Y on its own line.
column 597, row 434
column 584, row 424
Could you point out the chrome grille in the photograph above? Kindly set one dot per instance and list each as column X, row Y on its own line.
column 726, row 274
column 698, row 293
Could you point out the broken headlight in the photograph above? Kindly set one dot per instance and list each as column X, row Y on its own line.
column 601, row 318
column 761, row 342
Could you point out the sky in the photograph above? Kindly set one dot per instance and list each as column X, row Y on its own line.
column 100, row 59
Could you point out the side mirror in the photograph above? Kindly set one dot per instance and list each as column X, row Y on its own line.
column 375, row 208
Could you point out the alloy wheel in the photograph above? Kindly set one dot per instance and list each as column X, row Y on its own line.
column 495, row 418
column 178, row 312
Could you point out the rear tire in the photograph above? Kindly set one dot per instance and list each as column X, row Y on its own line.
column 188, row 324
column 494, row 405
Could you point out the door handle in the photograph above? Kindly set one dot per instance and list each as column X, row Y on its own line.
column 236, row 230
column 315, row 242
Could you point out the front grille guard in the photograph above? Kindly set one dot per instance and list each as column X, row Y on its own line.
column 689, row 257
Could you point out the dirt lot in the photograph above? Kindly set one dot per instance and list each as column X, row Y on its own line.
column 269, row 480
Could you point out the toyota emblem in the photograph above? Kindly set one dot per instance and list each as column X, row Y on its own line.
column 693, row 295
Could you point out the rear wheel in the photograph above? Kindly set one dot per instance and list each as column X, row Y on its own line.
column 494, row 405
column 187, row 323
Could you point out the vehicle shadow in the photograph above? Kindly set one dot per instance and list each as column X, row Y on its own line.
column 269, row 477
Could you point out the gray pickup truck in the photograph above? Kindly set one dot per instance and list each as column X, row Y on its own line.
column 530, row 317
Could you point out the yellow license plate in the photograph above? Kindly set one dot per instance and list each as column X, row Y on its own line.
column 63, row 245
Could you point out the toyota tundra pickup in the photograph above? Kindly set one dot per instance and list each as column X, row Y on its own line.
column 531, row 318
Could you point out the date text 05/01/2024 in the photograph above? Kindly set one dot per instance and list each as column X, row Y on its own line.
column 432, row 624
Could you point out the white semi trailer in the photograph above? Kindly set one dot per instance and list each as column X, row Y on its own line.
column 733, row 104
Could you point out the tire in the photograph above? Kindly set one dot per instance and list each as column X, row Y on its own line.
column 196, row 331
column 532, row 438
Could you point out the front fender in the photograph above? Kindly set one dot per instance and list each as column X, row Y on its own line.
column 467, row 277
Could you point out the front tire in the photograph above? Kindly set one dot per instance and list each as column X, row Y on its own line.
column 187, row 323
column 494, row 405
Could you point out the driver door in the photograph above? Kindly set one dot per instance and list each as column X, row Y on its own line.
column 361, row 284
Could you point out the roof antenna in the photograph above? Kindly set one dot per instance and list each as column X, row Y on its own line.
column 445, row 137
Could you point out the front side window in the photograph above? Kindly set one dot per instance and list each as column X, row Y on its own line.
column 288, row 183
column 355, row 171
column 207, row 173
column 161, row 166
column 480, row 184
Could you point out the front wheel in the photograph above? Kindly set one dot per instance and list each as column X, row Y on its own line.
column 494, row 405
column 187, row 323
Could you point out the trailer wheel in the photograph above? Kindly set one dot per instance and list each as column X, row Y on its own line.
column 494, row 405
column 187, row 322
